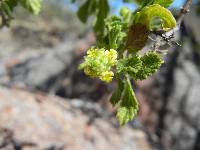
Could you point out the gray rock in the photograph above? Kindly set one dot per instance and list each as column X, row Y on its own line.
column 37, row 71
column 192, row 105
column 179, row 133
column 180, row 123
column 181, row 84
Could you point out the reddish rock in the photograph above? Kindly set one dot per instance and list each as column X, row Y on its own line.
column 39, row 121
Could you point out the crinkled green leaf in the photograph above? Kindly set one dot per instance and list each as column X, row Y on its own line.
column 117, row 94
column 129, row 105
column 116, row 30
column 34, row 6
column 151, row 62
column 140, row 67
column 130, row 65
column 115, row 33
column 86, row 9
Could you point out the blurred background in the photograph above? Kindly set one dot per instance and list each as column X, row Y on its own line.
column 46, row 103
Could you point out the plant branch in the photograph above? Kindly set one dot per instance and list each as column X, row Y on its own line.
column 184, row 10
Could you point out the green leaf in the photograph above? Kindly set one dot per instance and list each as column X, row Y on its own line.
column 140, row 67
column 143, row 3
column 6, row 9
column 144, row 23
column 125, row 13
column 116, row 96
column 34, row 6
column 156, row 24
column 164, row 3
column 11, row 3
column 103, row 10
column 130, row 65
column 115, row 34
column 87, row 9
column 151, row 62
column 128, row 1
column 148, row 13
column 129, row 105
column 146, row 2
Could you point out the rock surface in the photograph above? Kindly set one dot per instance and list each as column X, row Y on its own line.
column 37, row 70
column 180, row 120
column 43, row 58
column 42, row 122
column 172, row 97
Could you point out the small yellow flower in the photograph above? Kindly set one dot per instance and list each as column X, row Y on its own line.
column 107, row 76
column 111, row 55
column 98, row 63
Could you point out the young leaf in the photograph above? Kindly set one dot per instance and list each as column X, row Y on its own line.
column 142, row 25
column 125, row 13
column 129, row 105
column 33, row 6
column 115, row 27
column 145, row 16
column 116, row 96
column 130, row 65
column 151, row 62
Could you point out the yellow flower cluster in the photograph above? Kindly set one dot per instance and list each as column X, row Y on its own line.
column 99, row 62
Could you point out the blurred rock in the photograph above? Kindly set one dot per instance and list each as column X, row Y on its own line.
column 38, row 121
column 53, row 70
column 170, row 101
column 40, row 70
column 192, row 106
column 36, row 50
column 179, row 115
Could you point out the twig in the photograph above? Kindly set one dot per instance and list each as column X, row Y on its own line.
column 184, row 10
